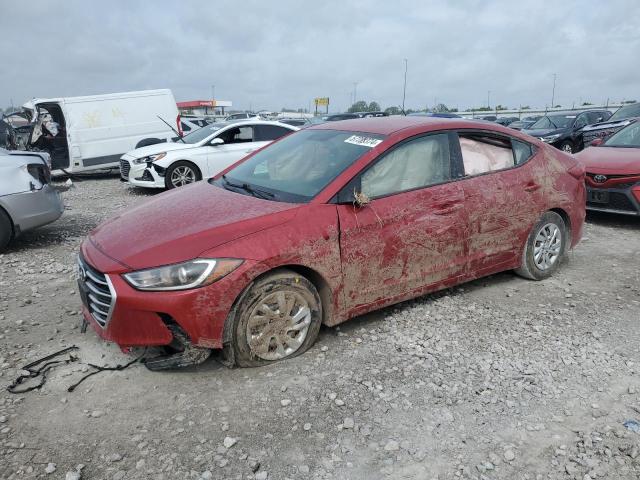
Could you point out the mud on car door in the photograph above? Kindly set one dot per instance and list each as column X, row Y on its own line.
column 413, row 231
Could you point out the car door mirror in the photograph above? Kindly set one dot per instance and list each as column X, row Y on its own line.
column 216, row 141
column 597, row 141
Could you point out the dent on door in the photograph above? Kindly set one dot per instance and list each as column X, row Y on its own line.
column 396, row 246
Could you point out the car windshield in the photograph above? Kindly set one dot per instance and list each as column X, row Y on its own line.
column 202, row 133
column 296, row 168
column 553, row 121
column 628, row 137
column 627, row 111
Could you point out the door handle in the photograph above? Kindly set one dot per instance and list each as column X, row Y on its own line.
column 448, row 209
column 531, row 187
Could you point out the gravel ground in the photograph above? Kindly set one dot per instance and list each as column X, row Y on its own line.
column 502, row 378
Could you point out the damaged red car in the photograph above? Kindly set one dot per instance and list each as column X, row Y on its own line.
column 323, row 225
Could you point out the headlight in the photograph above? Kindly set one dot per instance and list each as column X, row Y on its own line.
column 150, row 158
column 182, row 276
column 550, row 138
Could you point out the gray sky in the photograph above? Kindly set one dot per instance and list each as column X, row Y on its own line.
column 274, row 54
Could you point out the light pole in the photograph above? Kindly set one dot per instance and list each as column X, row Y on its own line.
column 355, row 92
column 553, row 92
column 404, row 89
column 488, row 99
column 213, row 92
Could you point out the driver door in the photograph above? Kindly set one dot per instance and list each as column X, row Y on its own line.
column 238, row 143
column 412, row 234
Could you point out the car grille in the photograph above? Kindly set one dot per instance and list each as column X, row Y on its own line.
column 100, row 296
column 125, row 166
column 617, row 201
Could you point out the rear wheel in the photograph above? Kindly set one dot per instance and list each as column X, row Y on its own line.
column 277, row 317
column 181, row 173
column 6, row 230
column 545, row 248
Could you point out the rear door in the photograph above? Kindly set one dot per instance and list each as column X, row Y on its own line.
column 502, row 198
column 412, row 233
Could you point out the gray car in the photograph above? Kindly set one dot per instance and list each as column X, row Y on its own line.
column 27, row 200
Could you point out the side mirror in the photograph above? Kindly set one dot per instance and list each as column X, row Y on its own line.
column 216, row 141
column 596, row 141
column 360, row 199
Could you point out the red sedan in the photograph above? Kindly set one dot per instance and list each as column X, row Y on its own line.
column 613, row 172
column 323, row 225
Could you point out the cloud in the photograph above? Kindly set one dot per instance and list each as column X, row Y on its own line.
column 284, row 53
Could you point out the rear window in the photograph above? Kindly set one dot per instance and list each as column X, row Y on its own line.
column 627, row 112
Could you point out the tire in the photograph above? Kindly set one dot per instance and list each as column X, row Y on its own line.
column 6, row 230
column 247, row 320
column 540, row 260
column 145, row 142
column 567, row 147
column 180, row 174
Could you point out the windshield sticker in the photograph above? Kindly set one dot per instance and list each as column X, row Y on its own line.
column 363, row 141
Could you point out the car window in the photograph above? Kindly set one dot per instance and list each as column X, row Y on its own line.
column 522, row 151
column 185, row 127
column 417, row 163
column 627, row 111
column 483, row 153
column 265, row 133
column 627, row 137
column 242, row 134
column 581, row 121
column 297, row 167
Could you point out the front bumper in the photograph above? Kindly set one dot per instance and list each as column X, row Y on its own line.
column 138, row 318
column 614, row 200
column 34, row 208
column 140, row 175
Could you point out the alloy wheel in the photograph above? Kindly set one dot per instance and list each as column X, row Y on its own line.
column 278, row 325
column 182, row 175
column 547, row 246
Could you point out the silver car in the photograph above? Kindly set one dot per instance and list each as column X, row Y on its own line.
column 27, row 200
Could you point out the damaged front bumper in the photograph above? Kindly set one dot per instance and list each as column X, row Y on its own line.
column 147, row 175
column 190, row 322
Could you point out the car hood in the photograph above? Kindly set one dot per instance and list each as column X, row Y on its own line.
column 159, row 148
column 608, row 124
column 543, row 132
column 181, row 224
column 611, row 160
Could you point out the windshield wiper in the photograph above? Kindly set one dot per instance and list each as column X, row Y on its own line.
column 249, row 189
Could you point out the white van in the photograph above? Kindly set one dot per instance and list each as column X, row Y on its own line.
column 93, row 132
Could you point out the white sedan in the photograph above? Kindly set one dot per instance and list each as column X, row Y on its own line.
column 201, row 154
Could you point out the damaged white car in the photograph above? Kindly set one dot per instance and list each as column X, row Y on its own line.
column 27, row 200
column 198, row 155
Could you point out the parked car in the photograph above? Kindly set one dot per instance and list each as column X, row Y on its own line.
column 27, row 200
column 326, row 224
column 198, row 155
column 7, row 135
column 613, row 171
column 522, row 124
column 302, row 122
column 506, row 121
column 241, row 116
column 620, row 119
column 91, row 133
column 564, row 130
column 434, row 114
column 340, row 116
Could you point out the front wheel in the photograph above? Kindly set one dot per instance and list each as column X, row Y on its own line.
column 277, row 317
column 567, row 147
column 545, row 247
column 6, row 230
column 181, row 173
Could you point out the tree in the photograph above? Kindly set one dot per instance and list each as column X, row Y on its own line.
column 393, row 110
column 501, row 107
column 557, row 106
column 359, row 106
column 628, row 101
column 526, row 107
column 586, row 104
column 441, row 108
column 373, row 107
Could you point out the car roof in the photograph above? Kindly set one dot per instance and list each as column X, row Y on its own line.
column 389, row 125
